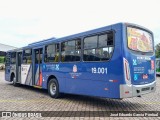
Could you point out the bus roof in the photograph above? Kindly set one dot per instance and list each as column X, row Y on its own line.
column 74, row 36
column 42, row 41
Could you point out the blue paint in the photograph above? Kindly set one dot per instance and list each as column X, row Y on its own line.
column 85, row 80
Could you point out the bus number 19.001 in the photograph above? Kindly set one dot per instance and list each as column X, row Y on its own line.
column 99, row 70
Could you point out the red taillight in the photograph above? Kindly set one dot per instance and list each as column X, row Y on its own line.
column 126, row 71
column 126, row 92
column 113, row 80
column 152, row 64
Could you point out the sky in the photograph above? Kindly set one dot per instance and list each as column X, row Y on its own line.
column 27, row 21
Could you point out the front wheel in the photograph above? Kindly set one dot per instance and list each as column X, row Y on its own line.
column 14, row 81
column 53, row 88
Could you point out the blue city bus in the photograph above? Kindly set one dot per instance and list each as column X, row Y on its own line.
column 116, row 61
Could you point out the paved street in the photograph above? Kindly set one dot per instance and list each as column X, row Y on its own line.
column 26, row 98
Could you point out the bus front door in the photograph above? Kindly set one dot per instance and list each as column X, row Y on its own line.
column 37, row 82
column 19, row 60
column 7, row 66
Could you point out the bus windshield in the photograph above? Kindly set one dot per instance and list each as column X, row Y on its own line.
column 139, row 40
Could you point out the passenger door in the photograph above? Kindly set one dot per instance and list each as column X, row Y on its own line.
column 19, row 62
column 7, row 66
column 37, row 67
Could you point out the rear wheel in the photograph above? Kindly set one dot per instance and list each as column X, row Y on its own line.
column 14, row 80
column 53, row 88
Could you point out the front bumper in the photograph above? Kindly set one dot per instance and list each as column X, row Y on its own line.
column 136, row 90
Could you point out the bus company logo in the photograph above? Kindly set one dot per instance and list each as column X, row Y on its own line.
column 134, row 62
column 75, row 72
column 6, row 115
column 75, row 68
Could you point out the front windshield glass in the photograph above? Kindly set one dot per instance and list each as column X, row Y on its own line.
column 139, row 40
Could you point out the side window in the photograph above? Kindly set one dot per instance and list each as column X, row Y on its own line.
column 13, row 58
column 90, row 42
column 52, row 53
column 27, row 56
column 8, row 56
column 38, row 56
column 71, row 50
column 98, row 47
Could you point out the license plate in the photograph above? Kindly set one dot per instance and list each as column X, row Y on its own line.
column 145, row 89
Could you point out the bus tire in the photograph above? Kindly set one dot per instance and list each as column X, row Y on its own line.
column 14, row 81
column 53, row 88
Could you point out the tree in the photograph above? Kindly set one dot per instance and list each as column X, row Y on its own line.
column 157, row 48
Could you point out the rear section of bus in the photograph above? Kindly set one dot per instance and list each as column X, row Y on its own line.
column 138, row 61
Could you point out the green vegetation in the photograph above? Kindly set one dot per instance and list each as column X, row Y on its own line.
column 2, row 59
column 157, row 47
column 158, row 65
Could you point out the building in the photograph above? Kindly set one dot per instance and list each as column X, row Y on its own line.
column 3, row 50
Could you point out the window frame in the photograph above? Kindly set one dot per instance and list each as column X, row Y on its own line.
column 24, row 56
column 139, row 52
column 59, row 52
column 99, row 34
column 11, row 57
column 8, row 58
column 40, row 58
column 75, row 39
